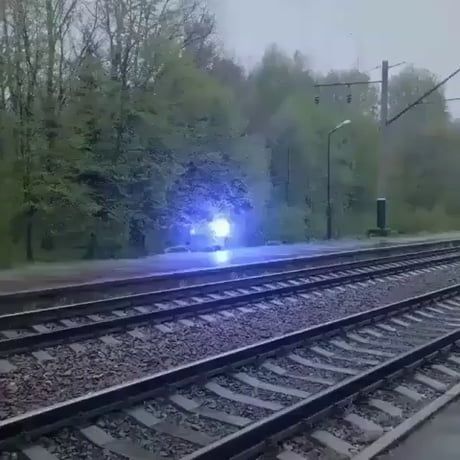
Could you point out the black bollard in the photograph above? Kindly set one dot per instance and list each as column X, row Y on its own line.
column 382, row 214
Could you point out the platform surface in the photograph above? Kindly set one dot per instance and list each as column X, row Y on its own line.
column 42, row 275
column 437, row 439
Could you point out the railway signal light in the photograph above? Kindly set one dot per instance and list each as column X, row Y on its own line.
column 349, row 97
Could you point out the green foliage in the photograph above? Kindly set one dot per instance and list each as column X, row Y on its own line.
column 286, row 223
column 117, row 134
column 424, row 158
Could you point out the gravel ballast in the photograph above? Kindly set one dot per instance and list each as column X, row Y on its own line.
column 35, row 384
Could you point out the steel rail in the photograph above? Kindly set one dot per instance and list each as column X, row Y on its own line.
column 256, row 436
column 48, row 294
column 40, row 421
column 66, row 334
column 25, row 318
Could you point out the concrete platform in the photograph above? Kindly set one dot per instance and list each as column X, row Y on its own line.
column 42, row 275
column 438, row 439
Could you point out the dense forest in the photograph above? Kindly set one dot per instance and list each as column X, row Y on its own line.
column 122, row 121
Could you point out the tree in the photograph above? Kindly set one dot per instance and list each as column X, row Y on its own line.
column 121, row 119
column 276, row 78
column 421, row 161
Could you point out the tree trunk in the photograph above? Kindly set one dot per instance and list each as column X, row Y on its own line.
column 29, row 237
column 50, row 121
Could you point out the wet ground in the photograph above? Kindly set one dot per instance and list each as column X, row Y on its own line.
column 42, row 275
column 437, row 439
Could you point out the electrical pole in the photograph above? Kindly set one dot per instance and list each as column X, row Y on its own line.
column 328, row 195
column 383, row 156
column 288, row 175
column 385, row 122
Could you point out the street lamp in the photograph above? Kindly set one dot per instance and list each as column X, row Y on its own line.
column 329, row 206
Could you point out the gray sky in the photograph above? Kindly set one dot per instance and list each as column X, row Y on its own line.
column 340, row 33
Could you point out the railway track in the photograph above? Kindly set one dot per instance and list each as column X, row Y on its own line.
column 30, row 299
column 230, row 405
column 375, row 419
column 35, row 329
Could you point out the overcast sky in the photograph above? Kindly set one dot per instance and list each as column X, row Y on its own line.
column 344, row 33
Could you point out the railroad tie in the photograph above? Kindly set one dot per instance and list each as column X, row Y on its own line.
column 277, row 302
column 454, row 359
column 278, row 370
column 399, row 322
column 450, row 304
column 119, row 313
column 227, row 314
column 163, row 328
column 322, row 366
column 208, row 318
column 425, row 314
column 77, row 347
column 305, row 296
column 187, row 322
column 430, row 382
column 245, row 310
column 10, row 333
column 347, row 347
column 38, row 453
column 42, row 356
column 68, row 322
column 409, row 393
column 223, row 392
column 386, row 407
column 386, row 327
column 291, row 299
column 40, row 328
column 447, row 306
column 290, row 455
column 357, row 338
column 357, row 360
column 295, row 282
column 109, row 340
column 413, row 318
column 95, row 318
column 333, row 442
column 256, row 383
column 193, row 406
column 137, row 334
column 371, row 332
column 6, row 366
column 446, row 370
column 198, row 299
column 216, row 296
column 148, row 420
column 371, row 429
column 122, row 447
column 322, row 352
column 181, row 303
column 437, row 311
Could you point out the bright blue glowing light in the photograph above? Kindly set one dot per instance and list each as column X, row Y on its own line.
column 193, row 231
column 221, row 257
column 220, row 227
